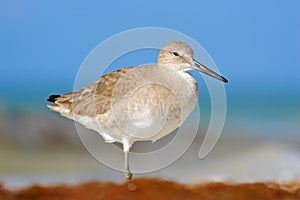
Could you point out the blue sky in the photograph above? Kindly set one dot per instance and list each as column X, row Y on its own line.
column 255, row 44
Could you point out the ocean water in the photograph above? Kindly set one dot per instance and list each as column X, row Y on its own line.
column 262, row 114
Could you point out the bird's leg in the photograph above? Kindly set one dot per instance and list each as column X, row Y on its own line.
column 127, row 173
column 126, row 148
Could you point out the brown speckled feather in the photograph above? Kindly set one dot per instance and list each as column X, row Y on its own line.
column 92, row 100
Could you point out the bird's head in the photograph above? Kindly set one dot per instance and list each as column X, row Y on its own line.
column 180, row 57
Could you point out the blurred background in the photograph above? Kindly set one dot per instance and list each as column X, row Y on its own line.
column 256, row 45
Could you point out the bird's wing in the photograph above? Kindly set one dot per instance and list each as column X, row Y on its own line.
column 92, row 100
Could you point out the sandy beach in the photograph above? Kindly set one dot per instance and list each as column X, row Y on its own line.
column 42, row 157
column 234, row 159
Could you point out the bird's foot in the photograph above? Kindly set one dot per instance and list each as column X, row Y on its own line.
column 128, row 175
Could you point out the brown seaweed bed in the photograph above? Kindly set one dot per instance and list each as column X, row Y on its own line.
column 149, row 188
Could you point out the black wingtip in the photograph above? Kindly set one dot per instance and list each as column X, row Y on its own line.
column 52, row 98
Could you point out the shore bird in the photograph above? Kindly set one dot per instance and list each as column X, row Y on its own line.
column 138, row 103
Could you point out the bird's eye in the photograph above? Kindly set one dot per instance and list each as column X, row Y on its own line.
column 175, row 54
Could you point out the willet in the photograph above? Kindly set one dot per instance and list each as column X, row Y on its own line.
column 138, row 103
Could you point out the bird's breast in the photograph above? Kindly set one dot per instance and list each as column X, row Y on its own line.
column 188, row 94
column 156, row 102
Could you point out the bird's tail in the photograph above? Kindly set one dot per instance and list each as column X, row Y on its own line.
column 52, row 98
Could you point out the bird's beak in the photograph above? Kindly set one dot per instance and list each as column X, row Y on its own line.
column 201, row 68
